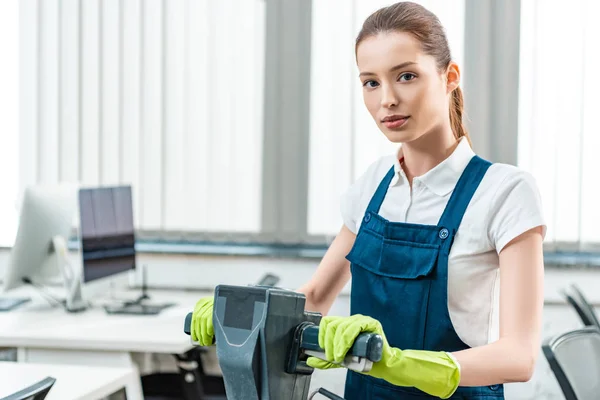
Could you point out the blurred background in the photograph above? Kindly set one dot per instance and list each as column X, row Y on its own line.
column 239, row 123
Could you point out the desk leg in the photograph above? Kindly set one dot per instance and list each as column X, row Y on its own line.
column 133, row 388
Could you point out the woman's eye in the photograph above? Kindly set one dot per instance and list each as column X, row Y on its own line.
column 407, row 77
column 370, row 84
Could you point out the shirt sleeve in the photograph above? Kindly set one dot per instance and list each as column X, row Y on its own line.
column 349, row 205
column 517, row 208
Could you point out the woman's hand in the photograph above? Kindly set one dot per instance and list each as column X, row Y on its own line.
column 202, row 329
column 433, row 372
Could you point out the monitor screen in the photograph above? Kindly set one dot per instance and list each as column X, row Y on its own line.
column 106, row 231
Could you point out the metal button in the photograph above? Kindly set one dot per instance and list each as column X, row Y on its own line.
column 367, row 217
column 443, row 233
column 495, row 387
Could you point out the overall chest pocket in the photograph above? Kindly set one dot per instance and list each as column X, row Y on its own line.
column 392, row 281
column 399, row 259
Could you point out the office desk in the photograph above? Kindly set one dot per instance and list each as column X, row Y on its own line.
column 72, row 382
column 43, row 334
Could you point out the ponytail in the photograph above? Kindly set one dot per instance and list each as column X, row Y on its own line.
column 456, row 115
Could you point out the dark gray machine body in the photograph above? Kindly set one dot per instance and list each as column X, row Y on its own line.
column 264, row 337
column 254, row 331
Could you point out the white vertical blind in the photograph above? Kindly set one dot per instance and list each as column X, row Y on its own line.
column 344, row 140
column 558, row 105
column 90, row 99
column 9, row 118
column 69, row 115
column 130, row 95
column 163, row 95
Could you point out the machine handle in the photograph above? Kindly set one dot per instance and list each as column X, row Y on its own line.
column 325, row 393
column 187, row 325
column 366, row 345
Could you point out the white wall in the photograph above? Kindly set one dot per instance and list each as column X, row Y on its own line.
column 204, row 272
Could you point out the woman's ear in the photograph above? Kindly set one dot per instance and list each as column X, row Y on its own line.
column 452, row 77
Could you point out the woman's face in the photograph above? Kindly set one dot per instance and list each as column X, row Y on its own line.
column 402, row 87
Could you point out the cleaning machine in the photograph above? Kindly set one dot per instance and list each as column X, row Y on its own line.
column 263, row 337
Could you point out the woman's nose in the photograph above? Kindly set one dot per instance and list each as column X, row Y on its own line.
column 389, row 98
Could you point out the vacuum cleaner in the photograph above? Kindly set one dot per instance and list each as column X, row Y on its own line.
column 263, row 337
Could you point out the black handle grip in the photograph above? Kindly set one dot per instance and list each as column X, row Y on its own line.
column 187, row 325
column 366, row 345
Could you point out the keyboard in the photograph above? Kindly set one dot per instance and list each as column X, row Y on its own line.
column 137, row 309
column 10, row 303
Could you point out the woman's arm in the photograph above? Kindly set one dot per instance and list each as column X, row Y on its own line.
column 332, row 274
column 512, row 357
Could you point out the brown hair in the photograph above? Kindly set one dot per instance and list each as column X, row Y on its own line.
column 425, row 26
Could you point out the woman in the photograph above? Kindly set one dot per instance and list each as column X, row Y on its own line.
column 444, row 248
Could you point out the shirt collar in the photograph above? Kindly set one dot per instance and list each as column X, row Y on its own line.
column 441, row 179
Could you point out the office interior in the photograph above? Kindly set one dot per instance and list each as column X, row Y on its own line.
column 153, row 150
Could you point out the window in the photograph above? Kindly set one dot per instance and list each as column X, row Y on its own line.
column 163, row 95
column 9, row 118
column 344, row 140
column 169, row 96
column 559, row 134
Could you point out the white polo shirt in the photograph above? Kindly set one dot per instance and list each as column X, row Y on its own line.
column 506, row 204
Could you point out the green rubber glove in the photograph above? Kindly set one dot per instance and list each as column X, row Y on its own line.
column 433, row 372
column 202, row 329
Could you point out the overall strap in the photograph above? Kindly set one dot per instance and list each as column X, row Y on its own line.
column 463, row 192
column 379, row 195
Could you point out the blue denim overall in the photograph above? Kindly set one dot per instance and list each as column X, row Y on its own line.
column 400, row 277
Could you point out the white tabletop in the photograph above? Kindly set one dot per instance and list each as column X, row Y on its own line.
column 72, row 382
column 38, row 325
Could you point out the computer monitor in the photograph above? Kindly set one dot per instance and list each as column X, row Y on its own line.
column 106, row 231
column 107, row 236
column 47, row 212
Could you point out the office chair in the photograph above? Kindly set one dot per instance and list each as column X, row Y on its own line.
column 574, row 358
column 582, row 306
column 190, row 383
column 37, row 391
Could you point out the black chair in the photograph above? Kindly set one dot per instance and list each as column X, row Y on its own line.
column 37, row 391
column 582, row 306
column 190, row 383
column 574, row 358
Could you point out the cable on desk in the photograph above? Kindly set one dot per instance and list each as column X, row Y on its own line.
column 46, row 295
